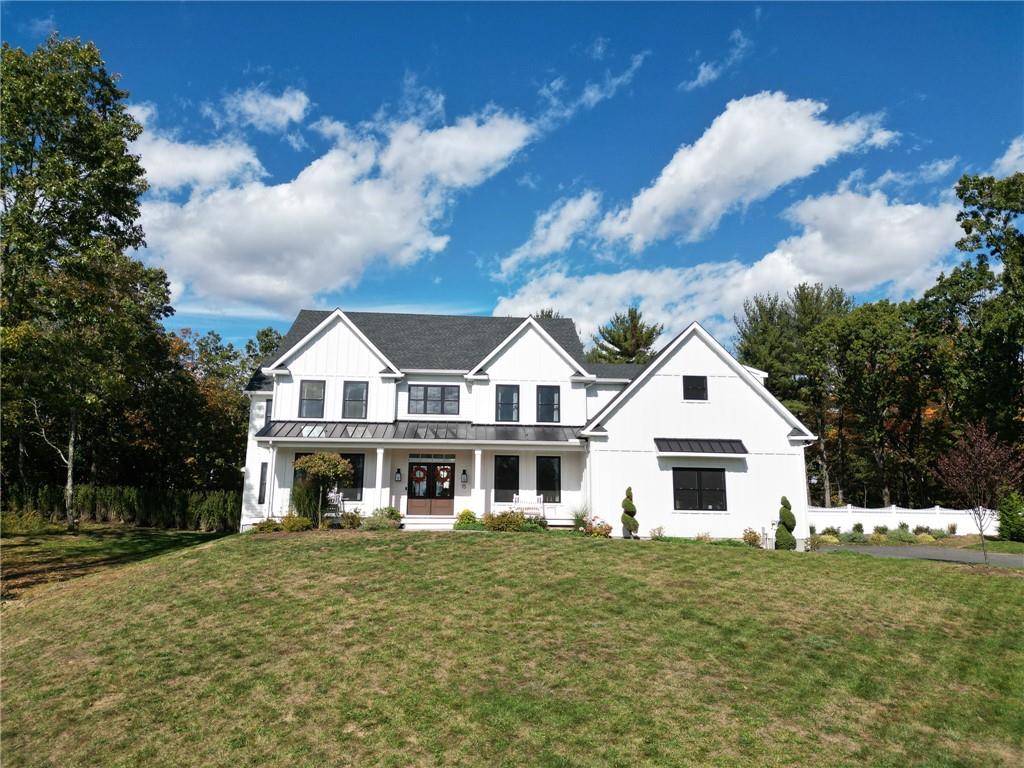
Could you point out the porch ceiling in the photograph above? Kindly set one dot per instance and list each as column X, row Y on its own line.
column 401, row 431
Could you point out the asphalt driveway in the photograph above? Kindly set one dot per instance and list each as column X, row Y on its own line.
column 921, row 552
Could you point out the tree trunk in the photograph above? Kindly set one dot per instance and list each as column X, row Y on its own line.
column 21, row 461
column 69, row 487
column 826, row 482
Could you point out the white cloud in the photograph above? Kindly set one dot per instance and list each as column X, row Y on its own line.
column 860, row 242
column 559, row 109
column 597, row 49
column 42, row 26
column 709, row 71
column 262, row 110
column 1012, row 161
column 758, row 144
column 528, row 179
column 374, row 197
column 171, row 164
column 554, row 231
column 927, row 173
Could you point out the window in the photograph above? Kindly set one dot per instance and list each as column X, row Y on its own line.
column 311, row 400
column 434, row 399
column 354, row 493
column 267, row 411
column 548, row 403
column 354, row 401
column 549, row 479
column 695, row 387
column 699, row 488
column 263, row 483
column 506, row 477
column 507, row 403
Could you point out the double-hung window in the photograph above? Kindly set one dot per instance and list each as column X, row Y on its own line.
column 702, row 489
column 355, row 491
column 506, row 477
column 507, row 403
column 695, row 387
column 311, row 400
column 354, row 400
column 431, row 398
column 268, row 411
column 549, row 479
column 548, row 403
column 263, row 484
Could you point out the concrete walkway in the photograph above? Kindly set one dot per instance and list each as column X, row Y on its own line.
column 922, row 552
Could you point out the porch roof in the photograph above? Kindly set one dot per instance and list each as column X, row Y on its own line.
column 398, row 431
column 699, row 445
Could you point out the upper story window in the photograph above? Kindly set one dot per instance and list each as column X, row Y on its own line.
column 311, row 400
column 698, row 488
column 354, row 401
column 430, row 398
column 695, row 387
column 267, row 412
column 548, row 403
column 507, row 403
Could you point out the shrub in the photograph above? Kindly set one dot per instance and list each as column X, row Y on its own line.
column 881, row 530
column 921, row 529
column 304, row 501
column 858, row 527
column 786, row 516
column 703, row 536
column 380, row 520
column 925, row 538
column 270, row 525
column 1011, row 517
column 24, row 521
column 512, row 520
column 784, row 538
column 877, row 538
column 349, row 520
column 951, row 529
column 629, row 524
column 467, row 522
column 902, row 536
column 391, row 513
column 824, row 539
column 580, row 515
column 853, row 537
column 533, row 525
column 903, row 526
column 938, row 533
column 751, row 538
column 657, row 534
column 466, row 516
column 294, row 523
column 597, row 529
column 831, row 530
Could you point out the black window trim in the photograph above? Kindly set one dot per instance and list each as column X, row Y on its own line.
column 268, row 410
column 511, row 491
column 695, row 399
column 358, row 482
column 497, row 403
column 557, row 491
column 556, row 406
column 345, row 399
column 700, row 489
column 262, row 497
column 424, row 400
column 302, row 384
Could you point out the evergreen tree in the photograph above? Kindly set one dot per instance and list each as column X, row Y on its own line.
column 626, row 338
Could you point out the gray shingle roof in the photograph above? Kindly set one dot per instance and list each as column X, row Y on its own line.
column 415, row 430
column 698, row 445
column 616, row 370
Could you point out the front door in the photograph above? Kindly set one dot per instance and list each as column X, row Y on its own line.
column 431, row 489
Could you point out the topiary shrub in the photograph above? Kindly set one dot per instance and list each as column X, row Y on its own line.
column 784, row 538
column 629, row 524
column 295, row 523
column 1011, row 517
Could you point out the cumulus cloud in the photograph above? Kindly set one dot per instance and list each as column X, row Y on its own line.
column 709, row 71
column 375, row 196
column 1012, row 161
column 258, row 108
column 172, row 164
column 554, row 231
column 758, row 144
column 859, row 241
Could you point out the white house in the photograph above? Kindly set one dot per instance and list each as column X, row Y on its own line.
column 441, row 413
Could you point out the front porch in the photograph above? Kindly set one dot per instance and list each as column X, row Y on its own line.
column 432, row 484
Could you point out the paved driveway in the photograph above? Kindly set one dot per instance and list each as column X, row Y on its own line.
column 921, row 552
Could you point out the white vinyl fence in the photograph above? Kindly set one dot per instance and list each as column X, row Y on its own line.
column 844, row 518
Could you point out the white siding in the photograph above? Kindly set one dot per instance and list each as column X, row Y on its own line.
column 254, row 456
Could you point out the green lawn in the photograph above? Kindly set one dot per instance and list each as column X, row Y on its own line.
column 513, row 649
column 999, row 545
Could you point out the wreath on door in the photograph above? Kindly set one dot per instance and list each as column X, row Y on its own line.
column 443, row 473
column 419, row 475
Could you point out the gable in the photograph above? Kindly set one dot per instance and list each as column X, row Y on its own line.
column 334, row 347
column 529, row 354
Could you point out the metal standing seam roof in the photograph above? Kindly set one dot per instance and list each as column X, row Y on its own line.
column 416, row 430
column 438, row 342
column 698, row 445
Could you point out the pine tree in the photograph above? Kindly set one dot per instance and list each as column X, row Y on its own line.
column 626, row 338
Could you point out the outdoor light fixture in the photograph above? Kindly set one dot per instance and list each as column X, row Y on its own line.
column 398, row 475
column 465, row 477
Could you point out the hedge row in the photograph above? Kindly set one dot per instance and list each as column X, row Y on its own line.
column 189, row 510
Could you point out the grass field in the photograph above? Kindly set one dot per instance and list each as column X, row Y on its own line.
column 513, row 649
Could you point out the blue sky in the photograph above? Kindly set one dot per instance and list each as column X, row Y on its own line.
column 501, row 158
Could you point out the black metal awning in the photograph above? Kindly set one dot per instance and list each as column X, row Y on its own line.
column 698, row 445
column 417, row 430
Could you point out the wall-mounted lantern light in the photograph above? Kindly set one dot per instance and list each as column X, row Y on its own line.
column 398, row 475
column 465, row 477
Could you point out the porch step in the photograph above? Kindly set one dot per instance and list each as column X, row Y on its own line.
column 428, row 522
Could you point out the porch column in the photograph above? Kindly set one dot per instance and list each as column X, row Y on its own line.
column 379, row 472
column 478, row 485
column 271, row 480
